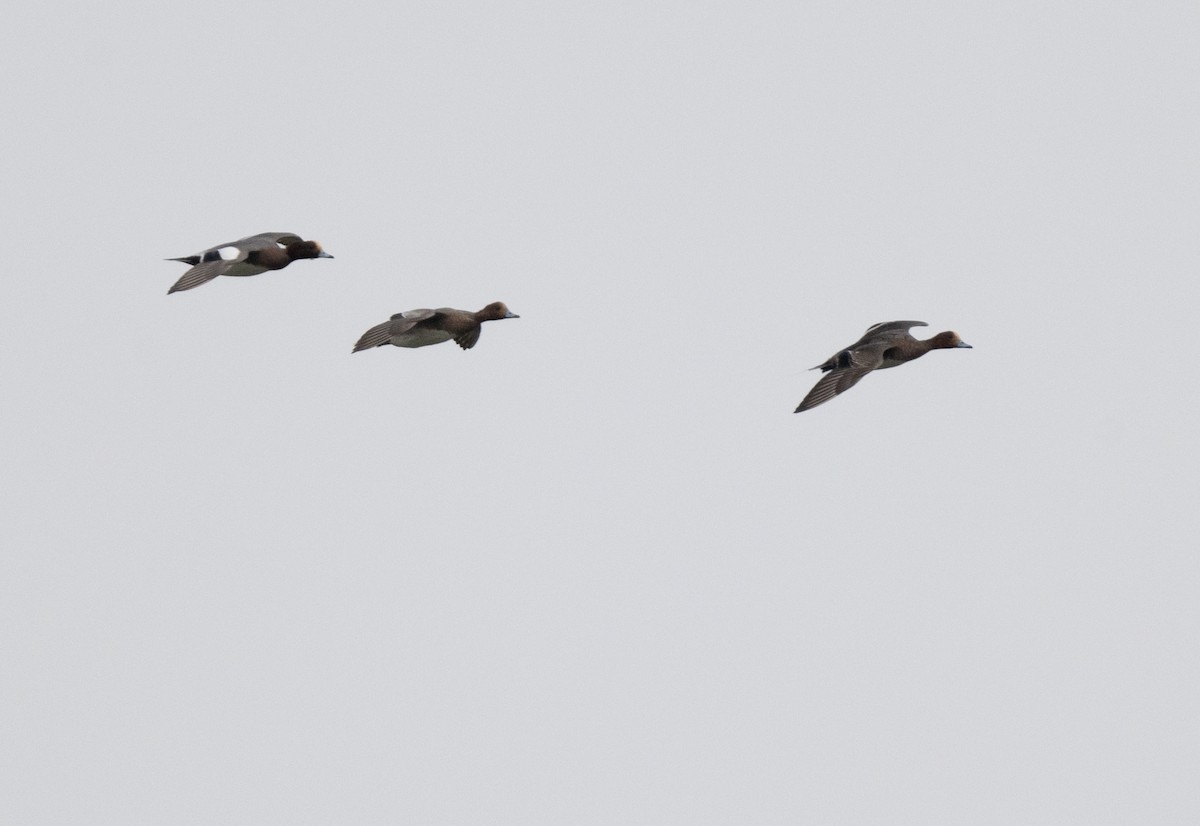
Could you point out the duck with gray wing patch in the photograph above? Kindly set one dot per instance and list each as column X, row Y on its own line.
column 420, row 328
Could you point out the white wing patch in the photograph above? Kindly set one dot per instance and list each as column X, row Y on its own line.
column 228, row 253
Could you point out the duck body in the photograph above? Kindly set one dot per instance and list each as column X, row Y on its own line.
column 421, row 328
column 883, row 345
column 252, row 255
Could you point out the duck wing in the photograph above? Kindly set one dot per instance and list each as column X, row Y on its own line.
column 204, row 272
column 852, row 365
column 467, row 340
column 397, row 325
column 265, row 240
column 890, row 328
column 830, row 385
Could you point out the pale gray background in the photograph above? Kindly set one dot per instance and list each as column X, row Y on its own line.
column 595, row 571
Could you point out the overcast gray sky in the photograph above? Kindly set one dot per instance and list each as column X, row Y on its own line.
column 595, row 571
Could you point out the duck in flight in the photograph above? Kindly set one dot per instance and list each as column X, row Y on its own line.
column 420, row 328
column 249, row 256
column 883, row 345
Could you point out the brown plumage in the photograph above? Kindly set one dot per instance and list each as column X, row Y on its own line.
column 420, row 328
column 883, row 345
column 249, row 256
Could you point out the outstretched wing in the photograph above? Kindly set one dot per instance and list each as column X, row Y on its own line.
column 853, row 365
column 830, row 385
column 202, row 273
column 377, row 336
column 891, row 327
column 266, row 239
column 397, row 325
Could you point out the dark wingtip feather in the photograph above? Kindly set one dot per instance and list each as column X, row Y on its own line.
column 830, row 385
column 377, row 336
column 200, row 274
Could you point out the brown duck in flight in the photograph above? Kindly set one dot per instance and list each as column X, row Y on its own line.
column 883, row 345
column 420, row 328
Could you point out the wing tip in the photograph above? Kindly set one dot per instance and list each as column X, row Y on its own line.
column 197, row 275
column 377, row 336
